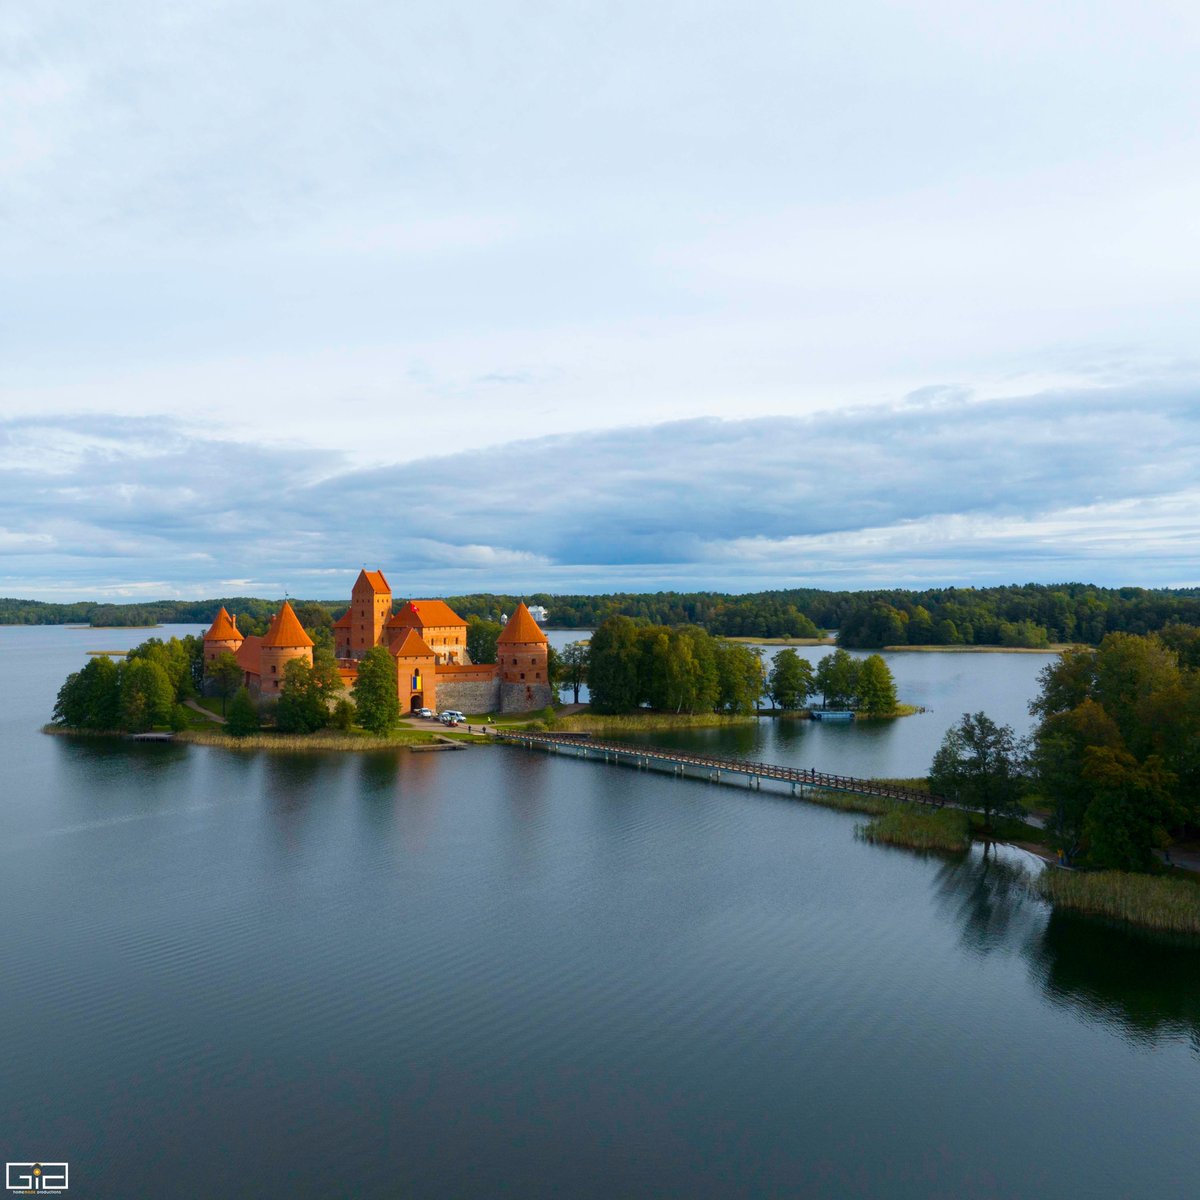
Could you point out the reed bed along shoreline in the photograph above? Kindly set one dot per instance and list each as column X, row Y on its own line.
column 946, row 829
column 1151, row 901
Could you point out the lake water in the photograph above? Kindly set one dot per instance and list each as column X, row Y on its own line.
column 500, row 973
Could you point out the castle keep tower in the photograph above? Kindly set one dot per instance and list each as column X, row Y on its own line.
column 222, row 635
column 284, row 640
column 522, row 659
column 370, row 607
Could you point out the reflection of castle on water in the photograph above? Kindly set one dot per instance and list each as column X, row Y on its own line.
column 1145, row 986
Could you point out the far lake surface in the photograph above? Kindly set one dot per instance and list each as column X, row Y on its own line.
column 503, row 973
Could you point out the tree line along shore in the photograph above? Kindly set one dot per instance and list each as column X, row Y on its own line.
column 1033, row 616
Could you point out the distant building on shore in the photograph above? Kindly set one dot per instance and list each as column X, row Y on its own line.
column 427, row 640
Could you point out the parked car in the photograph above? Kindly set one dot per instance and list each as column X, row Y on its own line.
column 425, row 712
column 453, row 714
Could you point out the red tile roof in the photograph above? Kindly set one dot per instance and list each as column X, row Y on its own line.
column 223, row 629
column 286, row 630
column 425, row 614
column 410, row 644
column 522, row 627
column 249, row 654
column 345, row 620
column 374, row 580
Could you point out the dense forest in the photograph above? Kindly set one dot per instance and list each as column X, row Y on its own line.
column 1032, row 615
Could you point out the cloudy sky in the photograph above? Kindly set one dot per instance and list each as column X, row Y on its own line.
column 584, row 296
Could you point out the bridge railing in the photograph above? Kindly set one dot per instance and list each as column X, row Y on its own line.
column 810, row 777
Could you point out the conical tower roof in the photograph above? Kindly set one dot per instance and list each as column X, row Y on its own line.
column 522, row 628
column 286, row 629
column 223, row 629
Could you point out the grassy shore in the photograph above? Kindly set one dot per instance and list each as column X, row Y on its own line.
column 783, row 641
column 645, row 721
column 323, row 740
column 919, row 828
column 872, row 806
column 1053, row 648
column 1152, row 901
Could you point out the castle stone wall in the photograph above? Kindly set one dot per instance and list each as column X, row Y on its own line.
column 468, row 695
column 524, row 697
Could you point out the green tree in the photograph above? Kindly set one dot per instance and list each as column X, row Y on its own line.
column 227, row 676
column 740, row 678
column 303, row 707
column 837, row 678
column 1065, row 683
column 342, row 716
column 791, row 680
column 91, row 698
column 375, row 697
column 1129, row 671
column 243, row 716
column 147, row 696
column 326, row 677
column 613, row 666
column 482, row 636
column 1059, row 756
column 574, row 659
column 876, row 688
column 1131, row 809
column 978, row 765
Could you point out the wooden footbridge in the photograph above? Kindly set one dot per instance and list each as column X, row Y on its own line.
column 715, row 768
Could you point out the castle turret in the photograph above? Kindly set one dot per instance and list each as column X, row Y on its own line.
column 223, row 634
column 522, row 659
column 284, row 641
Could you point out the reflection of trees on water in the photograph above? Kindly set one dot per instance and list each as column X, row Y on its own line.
column 1143, row 986
column 988, row 895
column 1148, row 987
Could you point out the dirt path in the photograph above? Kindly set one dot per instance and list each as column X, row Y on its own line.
column 203, row 711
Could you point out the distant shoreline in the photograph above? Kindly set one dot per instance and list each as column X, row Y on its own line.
column 1053, row 648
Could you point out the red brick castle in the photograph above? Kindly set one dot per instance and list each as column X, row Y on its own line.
column 427, row 640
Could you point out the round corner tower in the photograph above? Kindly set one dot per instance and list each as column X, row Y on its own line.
column 222, row 635
column 284, row 641
column 522, row 663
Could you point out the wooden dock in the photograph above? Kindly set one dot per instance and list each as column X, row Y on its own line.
column 714, row 768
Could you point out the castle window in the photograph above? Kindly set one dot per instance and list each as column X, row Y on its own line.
column 273, row 668
column 514, row 662
column 522, row 674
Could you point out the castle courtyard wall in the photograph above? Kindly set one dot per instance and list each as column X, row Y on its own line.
column 524, row 697
column 477, row 695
